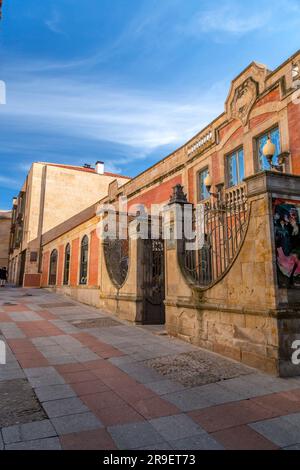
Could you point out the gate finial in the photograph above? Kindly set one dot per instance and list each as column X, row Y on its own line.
column 178, row 196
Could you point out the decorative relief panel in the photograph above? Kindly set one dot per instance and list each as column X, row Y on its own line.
column 244, row 92
column 244, row 98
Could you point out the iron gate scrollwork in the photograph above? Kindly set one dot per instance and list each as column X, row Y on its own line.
column 154, row 281
column 225, row 223
column 116, row 253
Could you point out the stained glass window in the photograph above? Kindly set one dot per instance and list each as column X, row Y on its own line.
column 203, row 193
column 235, row 168
column 84, row 260
column 261, row 142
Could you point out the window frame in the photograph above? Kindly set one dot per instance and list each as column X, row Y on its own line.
column 226, row 166
column 66, row 279
column 256, row 139
column 81, row 265
column 50, row 266
column 198, row 174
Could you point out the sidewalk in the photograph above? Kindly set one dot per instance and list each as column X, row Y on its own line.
column 77, row 378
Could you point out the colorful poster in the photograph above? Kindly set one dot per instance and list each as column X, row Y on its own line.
column 286, row 215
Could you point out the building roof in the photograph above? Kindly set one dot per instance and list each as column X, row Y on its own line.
column 87, row 170
column 5, row 214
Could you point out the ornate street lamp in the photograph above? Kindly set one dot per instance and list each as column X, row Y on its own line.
column 269, row 151
column 208, row 182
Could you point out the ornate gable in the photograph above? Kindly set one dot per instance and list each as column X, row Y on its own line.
column 244, row 92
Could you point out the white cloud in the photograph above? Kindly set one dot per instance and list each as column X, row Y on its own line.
column 54, row 23
column 135, row 118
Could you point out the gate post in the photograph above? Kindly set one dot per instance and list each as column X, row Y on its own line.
column 126, row 300
column 176, row 288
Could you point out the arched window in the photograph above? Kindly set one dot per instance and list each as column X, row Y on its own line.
column 84, row 256
column 67, row 264
column 53, row 268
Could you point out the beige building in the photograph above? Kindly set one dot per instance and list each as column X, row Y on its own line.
column 5, row 223
column 50, row 194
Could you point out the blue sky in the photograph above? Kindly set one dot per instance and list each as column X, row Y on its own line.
column 124, row 81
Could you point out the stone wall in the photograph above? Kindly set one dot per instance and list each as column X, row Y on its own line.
column 242, row 315
column 5, row 224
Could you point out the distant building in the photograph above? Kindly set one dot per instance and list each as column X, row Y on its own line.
column 51, row 194
column 5, row 223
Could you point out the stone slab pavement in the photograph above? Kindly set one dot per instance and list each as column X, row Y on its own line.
column 75, row 378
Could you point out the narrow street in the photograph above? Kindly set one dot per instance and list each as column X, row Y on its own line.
column 78, row 378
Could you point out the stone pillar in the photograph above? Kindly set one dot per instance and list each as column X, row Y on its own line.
column 283, row 193
column 125, row 301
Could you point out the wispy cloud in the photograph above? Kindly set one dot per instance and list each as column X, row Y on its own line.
column 136, row 118
column 239, row 18
column 54, row 23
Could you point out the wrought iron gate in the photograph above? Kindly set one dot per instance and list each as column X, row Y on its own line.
column 154, row 282
column 225, row 223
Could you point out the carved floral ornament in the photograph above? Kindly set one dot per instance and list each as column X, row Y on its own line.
column 243, row 100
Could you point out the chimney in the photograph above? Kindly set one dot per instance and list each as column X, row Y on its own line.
column 100, row 168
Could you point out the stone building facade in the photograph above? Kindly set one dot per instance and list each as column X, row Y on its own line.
column 51, row 194
column 5, row 223
column 247, row 306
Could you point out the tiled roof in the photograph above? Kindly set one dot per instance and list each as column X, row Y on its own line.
column 87, row 170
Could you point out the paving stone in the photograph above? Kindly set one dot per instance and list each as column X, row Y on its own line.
column 39, row 444
column 54, row 392
column 40, row 372
column 294, row 419
column 201, row 397
column 243, row 438
column 278, row 430
column 43, row 376
column 97, row 439
column 58, row 360
column 118, row 414
column 25, row 316
column 76, row 423
column 229, row 415
column 295, row 447
column 140, row 373
column 155, row 407
column 135, row 436
column 156, row 447
column 90, row 387
column 176, row 427
column 11, row 331
column 28, row 432
column 200, row 442
column 85, row 355
column 63, row 407
column 11, row 374
column 245, row 388
column 163, row 387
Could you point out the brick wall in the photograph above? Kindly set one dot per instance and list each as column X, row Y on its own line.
column 93, row 259
column 74, row 262
column 158, row 194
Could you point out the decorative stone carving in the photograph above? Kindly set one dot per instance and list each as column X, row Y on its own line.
column 244, row 91
column 244, row 98
column 178, row 196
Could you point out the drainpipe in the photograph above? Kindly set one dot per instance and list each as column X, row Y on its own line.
column 41, row 216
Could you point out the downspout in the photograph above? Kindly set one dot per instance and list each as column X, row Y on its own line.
column 41, row 216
